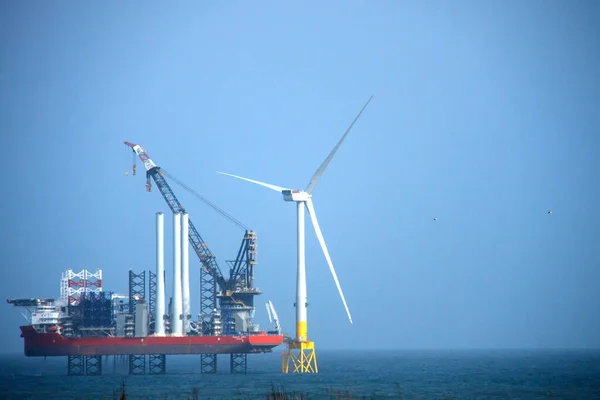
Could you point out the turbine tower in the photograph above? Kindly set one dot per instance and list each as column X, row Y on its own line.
column 306, row 361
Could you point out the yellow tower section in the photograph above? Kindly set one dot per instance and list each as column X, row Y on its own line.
column 299, row 353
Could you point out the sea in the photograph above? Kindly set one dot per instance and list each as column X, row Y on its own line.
column 355, row 374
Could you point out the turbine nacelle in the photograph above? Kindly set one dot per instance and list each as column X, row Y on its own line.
column 295, row 195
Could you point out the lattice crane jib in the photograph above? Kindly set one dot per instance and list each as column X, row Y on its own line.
column 242, row 274
column 198, row 244
column 242, row 269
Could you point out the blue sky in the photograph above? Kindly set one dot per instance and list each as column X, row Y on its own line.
column 485, row 115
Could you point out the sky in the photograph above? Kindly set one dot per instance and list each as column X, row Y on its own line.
column 485, row 115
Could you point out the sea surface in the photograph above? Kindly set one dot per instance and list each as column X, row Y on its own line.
column 449, row 374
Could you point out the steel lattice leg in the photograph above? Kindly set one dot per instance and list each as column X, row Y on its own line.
column 208, row 363
column 158, row 364
column 93, row 365
column 76, row 366
column 238, row 363
column 137, row 289
column 207, row 295
column 137, row 364
column 151, row 302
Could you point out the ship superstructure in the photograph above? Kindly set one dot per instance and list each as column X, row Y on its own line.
column 87, row 322
column 106, row 324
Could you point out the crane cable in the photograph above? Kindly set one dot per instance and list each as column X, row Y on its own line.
column 205, row 200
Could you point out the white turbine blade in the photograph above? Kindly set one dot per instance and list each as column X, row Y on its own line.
column 267, row 185
column 275, row 317
column 319, row 172
column 269, row 312
column 315, row 223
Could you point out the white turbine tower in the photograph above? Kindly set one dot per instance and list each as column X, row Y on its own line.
column 306, row 360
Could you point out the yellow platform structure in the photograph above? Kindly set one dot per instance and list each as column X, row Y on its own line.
column 301, row 356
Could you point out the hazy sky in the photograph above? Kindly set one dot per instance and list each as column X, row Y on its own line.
column 485, row 115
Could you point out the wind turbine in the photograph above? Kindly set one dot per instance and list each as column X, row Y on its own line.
column 306, row 360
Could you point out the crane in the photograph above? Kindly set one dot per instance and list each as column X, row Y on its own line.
column 236, row 294
column 273, row 316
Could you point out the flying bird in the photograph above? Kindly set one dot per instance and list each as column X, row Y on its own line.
column 435, row 218
column 550, row 212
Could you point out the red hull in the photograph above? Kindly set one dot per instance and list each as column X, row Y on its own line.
column 53, row 344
